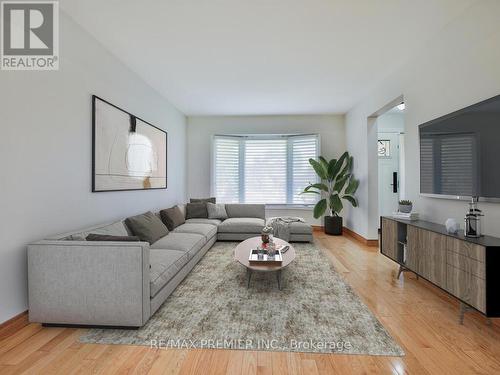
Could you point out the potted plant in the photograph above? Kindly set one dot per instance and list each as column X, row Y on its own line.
column 405, row 206
column 337, row 184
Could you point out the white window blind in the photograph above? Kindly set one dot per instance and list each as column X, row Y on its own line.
column 227, row 169
column 264, row 169
column 303, row 149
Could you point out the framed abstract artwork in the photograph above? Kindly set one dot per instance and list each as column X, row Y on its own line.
column 128, row 153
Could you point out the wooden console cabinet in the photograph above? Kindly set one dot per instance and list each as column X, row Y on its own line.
column 467, row 268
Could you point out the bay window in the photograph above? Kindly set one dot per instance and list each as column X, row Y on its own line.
column 269, row 169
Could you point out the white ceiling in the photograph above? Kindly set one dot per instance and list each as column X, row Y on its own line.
column 223, row 57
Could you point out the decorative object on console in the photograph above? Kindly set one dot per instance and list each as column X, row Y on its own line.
column 405, row 206
column 452, row 226
column 128, row 153
column 338, row 182
column 473, row 220
column 405, row 216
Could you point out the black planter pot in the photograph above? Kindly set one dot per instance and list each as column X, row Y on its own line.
column 333, row 225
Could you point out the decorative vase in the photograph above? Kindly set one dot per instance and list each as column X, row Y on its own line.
column 406, row 208
column 333, row 225
column 266, row 234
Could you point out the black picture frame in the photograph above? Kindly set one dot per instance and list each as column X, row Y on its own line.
column 133, row 120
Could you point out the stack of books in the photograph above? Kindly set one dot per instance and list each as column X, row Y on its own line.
column 405, row 216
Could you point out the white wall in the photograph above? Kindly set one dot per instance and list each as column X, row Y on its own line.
column 45, row 152
column 391, row 122
column 458, row 67
column 201, row 130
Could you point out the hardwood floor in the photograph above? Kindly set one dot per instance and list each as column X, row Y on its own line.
column 422, row 318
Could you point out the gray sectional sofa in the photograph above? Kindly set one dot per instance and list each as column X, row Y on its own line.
column 122, row 284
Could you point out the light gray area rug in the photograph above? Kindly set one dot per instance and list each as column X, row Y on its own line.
column 317, row 311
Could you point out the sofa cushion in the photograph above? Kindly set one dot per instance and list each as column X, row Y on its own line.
column 246, row 210
column 300, row 228
column 164, row 265
column 242, row 225
column 196, row 210
column 216, row 211
column 204, row 221
column 172, row 217
column 206, row 230
column 189, row 243
column 148, row 227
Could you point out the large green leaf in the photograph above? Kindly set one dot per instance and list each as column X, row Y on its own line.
column 324, row 163
column 320, row 186
column 339, row 185
column 351, row 199
column 307, row 190
column 319, row 169
column 338, row 165
column 343, row 157
column 319, row 209
column 331, row 166
column 347, row 167
column 352, row 187
column 335, row 203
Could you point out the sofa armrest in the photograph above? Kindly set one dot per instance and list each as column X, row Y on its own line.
column 89, row 283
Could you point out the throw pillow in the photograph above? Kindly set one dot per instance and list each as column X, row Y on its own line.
column 216, row 211
column 172, row 217
column 108, row 237
column 196, row 210
column 148, row 227
column 202, row 200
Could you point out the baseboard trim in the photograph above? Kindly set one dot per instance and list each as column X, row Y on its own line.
column 13, row 324
column 23, row 315
column 350, row 233
column 359, row 238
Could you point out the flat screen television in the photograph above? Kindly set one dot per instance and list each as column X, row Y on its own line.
column 460, row 153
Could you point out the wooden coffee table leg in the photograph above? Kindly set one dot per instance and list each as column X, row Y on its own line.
column 249, row 276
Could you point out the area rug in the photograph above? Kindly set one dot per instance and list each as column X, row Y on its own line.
column 316, row 311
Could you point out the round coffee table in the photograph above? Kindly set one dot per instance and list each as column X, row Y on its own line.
column 242, row 252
